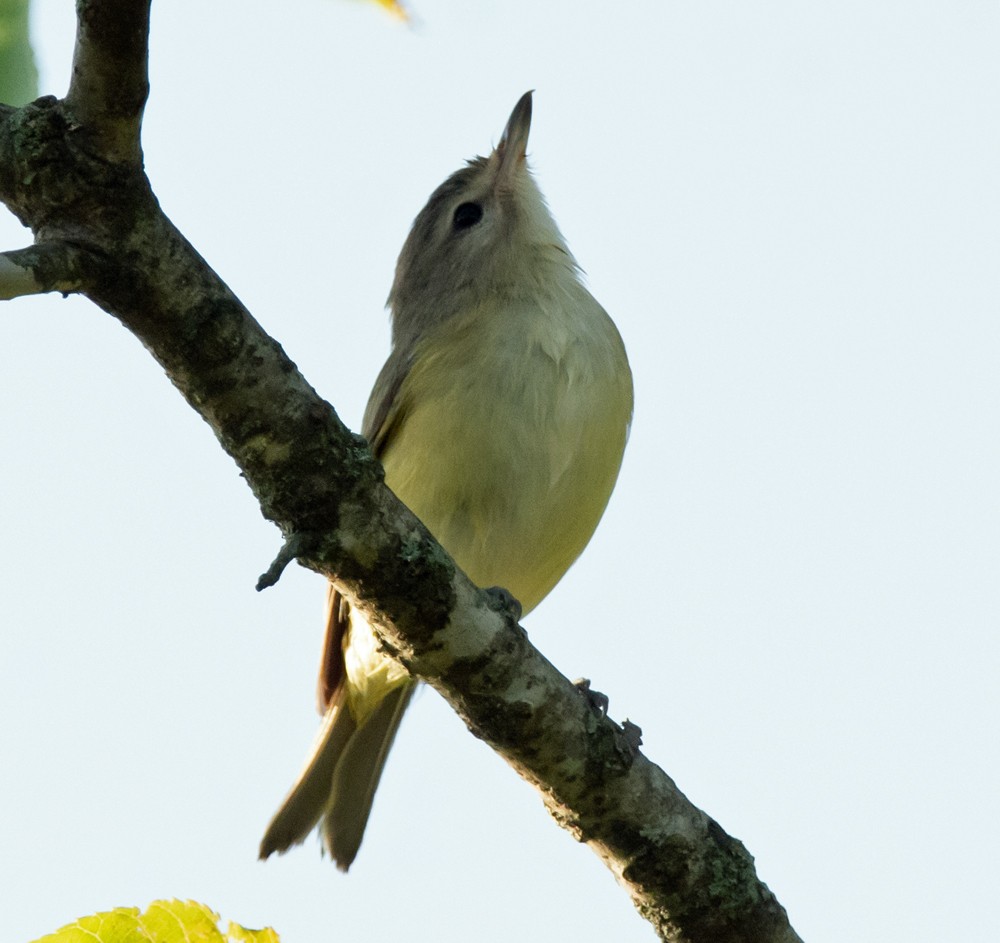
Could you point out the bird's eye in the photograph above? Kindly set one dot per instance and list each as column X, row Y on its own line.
column 466, row 215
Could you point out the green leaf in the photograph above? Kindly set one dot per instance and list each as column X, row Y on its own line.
column 176, row 921
column 18, row 73
column 165, row 921
column 120, row 925
column 243, row 935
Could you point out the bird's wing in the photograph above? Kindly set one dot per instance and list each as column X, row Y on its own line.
column 382, row 417
column 385, row 409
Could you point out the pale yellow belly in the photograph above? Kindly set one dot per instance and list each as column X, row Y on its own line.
column 512, row 476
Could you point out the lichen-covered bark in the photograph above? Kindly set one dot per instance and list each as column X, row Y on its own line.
column 71, row 169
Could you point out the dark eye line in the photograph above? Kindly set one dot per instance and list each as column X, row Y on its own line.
column 466, row 215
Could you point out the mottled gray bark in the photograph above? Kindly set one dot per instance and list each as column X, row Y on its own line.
column 71, row 170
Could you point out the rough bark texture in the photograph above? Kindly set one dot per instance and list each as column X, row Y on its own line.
column 71, row 169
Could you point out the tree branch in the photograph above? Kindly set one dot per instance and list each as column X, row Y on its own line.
column 47, row 266
column 110, row 83
column 72, row 171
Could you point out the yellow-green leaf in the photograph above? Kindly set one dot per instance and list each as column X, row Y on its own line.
column 18, row 73
column 243, row 935
column 395, row 7
column 177, row 921
column 121, row 925
column 164, row 921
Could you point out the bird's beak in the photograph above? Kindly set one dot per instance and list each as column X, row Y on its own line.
column 514, row 140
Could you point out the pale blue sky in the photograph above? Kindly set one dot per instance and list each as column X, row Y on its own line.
column 791, row 211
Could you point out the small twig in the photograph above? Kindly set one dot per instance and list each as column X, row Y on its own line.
column 291, row 549
column 47, row 266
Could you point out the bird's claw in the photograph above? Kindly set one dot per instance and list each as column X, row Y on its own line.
column 598, row 702
column 630, row 739
column 502, row 600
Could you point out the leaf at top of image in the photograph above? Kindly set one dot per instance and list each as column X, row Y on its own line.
column 164, row 921
column 395, row 7
column 18, row 72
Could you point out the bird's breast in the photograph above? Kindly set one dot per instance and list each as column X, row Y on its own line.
column 510, row 436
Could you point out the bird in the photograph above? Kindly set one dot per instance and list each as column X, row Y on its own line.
column 500, row 418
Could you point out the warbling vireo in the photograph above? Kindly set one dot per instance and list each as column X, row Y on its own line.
column 500, row 416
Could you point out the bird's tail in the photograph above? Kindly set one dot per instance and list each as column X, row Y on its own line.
column 336, row 787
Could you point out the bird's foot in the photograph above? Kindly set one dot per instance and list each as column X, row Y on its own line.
column 503, row 601
column 629, row 739
column 598, row 702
